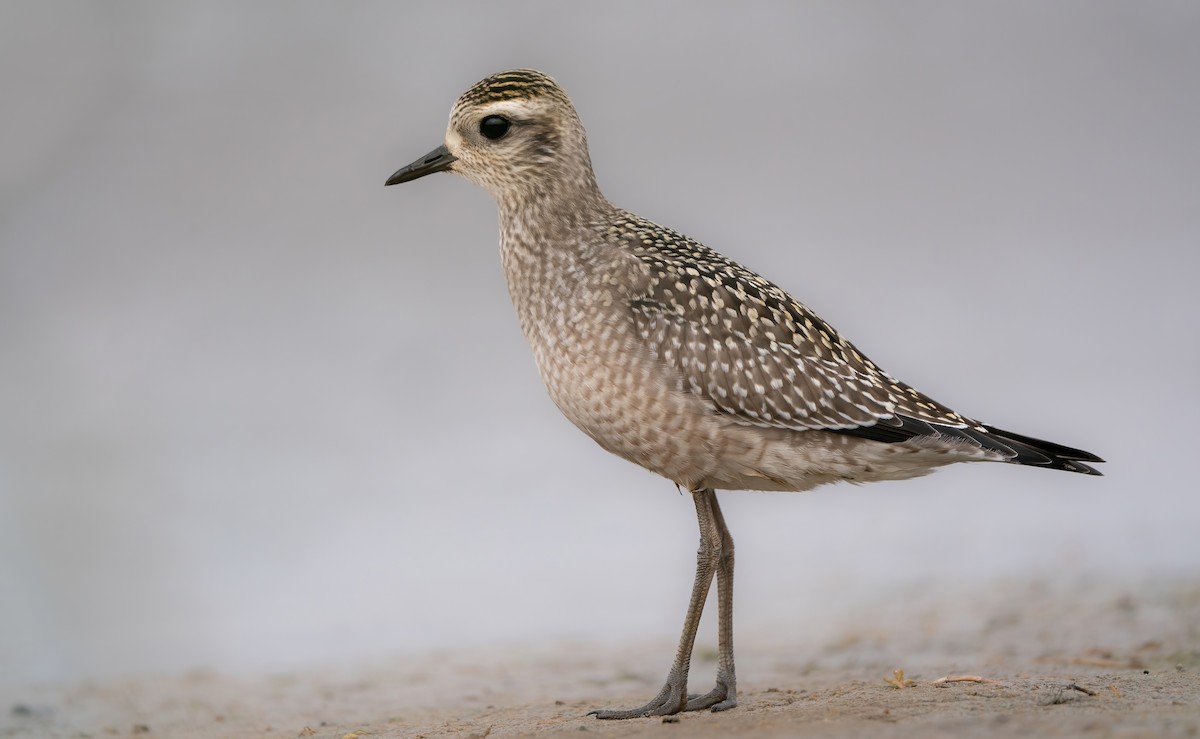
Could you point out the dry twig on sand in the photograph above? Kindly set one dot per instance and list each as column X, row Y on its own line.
column 965, row 679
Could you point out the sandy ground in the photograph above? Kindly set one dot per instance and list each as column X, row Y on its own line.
column 1094, row 659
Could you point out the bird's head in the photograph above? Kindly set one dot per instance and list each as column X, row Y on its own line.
column 516, row 134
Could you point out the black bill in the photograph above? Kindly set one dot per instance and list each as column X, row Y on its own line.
column 438, row 160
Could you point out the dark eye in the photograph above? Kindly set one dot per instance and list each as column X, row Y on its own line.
column 493, row 127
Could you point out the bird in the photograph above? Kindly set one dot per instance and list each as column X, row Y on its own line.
column 682, row 361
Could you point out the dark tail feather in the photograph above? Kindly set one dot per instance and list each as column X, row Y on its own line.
column 1017, row 448
column 1041, row 453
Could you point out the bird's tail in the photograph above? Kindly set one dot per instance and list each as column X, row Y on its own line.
column 1046, row 454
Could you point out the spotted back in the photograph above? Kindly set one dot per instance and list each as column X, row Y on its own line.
column 752, row 350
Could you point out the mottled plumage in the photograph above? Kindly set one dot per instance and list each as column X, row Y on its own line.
column 681, row 360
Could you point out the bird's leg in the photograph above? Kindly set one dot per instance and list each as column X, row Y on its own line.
column 724, row 695
column 673, row 697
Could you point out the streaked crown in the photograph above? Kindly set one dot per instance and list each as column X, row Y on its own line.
column 515, row 84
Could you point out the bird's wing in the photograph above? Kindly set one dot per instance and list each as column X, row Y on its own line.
column 760, row 356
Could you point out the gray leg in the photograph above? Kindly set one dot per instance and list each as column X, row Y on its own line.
column 710, row 560
column 724, row 695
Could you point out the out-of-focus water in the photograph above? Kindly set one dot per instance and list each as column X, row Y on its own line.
column 257, row 410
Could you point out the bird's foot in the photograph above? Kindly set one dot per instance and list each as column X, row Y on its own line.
column 672, row 699
column 720, row 698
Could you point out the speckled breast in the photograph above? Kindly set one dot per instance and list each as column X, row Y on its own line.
column 575, row 315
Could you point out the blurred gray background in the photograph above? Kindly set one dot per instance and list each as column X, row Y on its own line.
column 258, row 411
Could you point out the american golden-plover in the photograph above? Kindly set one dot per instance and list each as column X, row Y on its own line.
column 681, row 360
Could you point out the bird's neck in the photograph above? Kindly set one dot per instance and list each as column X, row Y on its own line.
column 547, row 243
column 551, row 214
